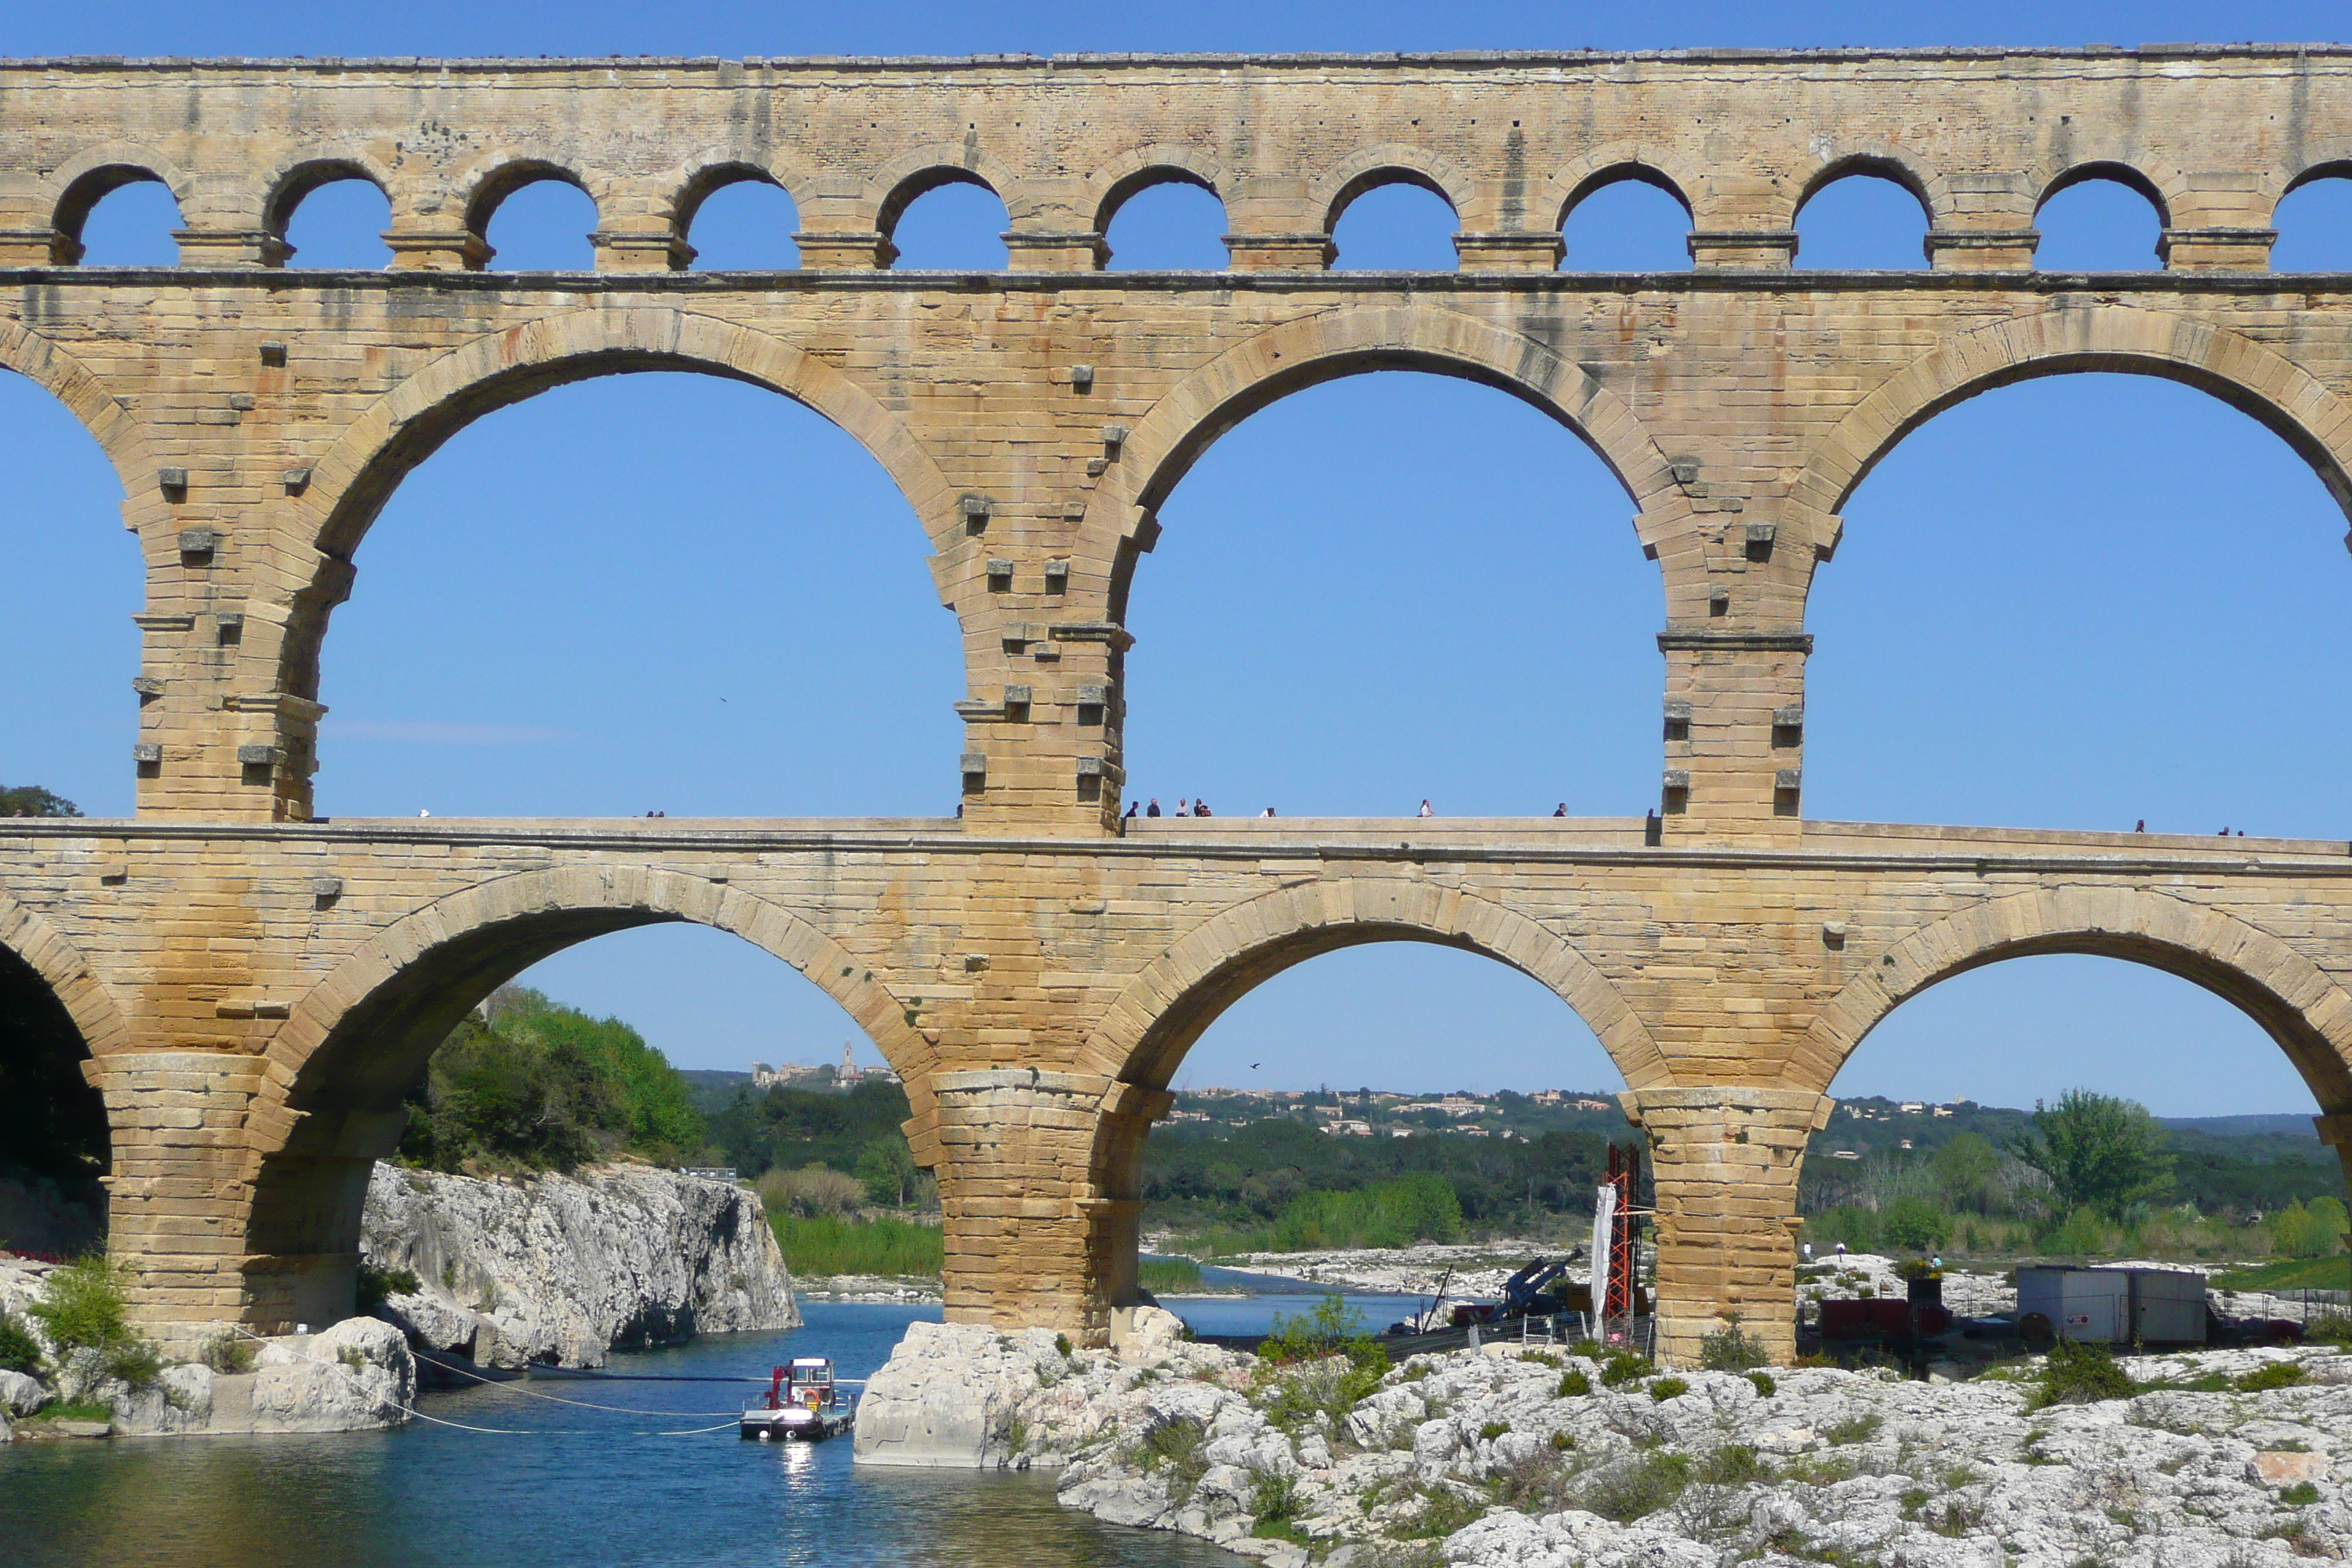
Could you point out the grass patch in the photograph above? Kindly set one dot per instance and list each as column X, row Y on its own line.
column 2291, row 1274
column 2275, row 1374
column 828, row 1244
column 1442, row 1513
column 1730, row 1349
column 1574, row 1384
column 1859, row 1429
column 76, row 1410
column 1667, row 1388
column 1172, row 1450
column 1625, row 1367
column 1169, row 1276
column 1765, row 1387
column 2302, row 1494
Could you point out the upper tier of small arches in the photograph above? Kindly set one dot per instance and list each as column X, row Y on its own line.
column 440, row 216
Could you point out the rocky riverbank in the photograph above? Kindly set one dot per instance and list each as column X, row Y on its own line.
column 565, row 1269
column 355, row 1376
column 1533, row 1461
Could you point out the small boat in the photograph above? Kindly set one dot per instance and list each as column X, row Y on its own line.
column 803, row 1403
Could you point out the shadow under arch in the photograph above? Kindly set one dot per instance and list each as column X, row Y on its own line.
column 337, row 1073
column 2281, row 395
column 58, row 1022
column 1190, row 417
column 2291, row 998
column 354, row 480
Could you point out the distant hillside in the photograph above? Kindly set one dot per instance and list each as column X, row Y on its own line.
column 2289, row 1125
column 716, row 1080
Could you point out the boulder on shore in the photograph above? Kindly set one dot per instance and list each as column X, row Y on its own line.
column 565, row 1269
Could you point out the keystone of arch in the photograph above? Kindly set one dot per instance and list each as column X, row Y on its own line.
column 2289, row 400
column 116, row 429
column 635, row 895
column 537, row 351
column 2299, row 1004
column 1342, row 911
column 1206, row 403
column 63, row 969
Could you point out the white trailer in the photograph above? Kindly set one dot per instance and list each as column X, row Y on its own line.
column 2116, row 1305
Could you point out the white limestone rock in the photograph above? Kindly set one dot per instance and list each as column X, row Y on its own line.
column 947, row 1397
column 21, row 1394
column 565, row 1269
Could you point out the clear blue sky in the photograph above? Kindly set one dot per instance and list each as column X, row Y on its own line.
column 2075, row 603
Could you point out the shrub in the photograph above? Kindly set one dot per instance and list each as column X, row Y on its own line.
column 1765, row 1387
column 81, row 1307
column 1854, row 1429
column 2272, row 1374
column 2313, row 1230
column 1442, row 1513
column 1733, row 1465
column 1667, row 1388
column 1574, row 1385
column 1562, row 1442
column 1632, row 1489
column 2302, row 1494
column 1172, row 1449
column 1914, row 1224
column 2081, row 1236
column 811, row 1192
column 1333, row 1328
column 378, row 1285
column 230, row 1353
column 1492, row 1430
column 1730, row 1349
column 2081, row 1374
column 1625, row 1366
column 19, row 1351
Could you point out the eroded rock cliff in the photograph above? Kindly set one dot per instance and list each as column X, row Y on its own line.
column 564, row 1268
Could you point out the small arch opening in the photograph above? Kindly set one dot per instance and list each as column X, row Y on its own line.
column 743, row 221
column 121, row 217
column 536, row 219
column 1172, row 221
column 1630, row 219
column 1863, row 216
column 338, row 222
column 2313, row 221
column 1395, row 221
column 948, row 220
column 2101, row 217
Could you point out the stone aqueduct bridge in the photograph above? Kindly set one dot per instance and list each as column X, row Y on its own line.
column 255, row 989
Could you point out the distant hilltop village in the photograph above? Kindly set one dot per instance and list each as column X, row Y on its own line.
column 793, row 1075
column 1368, row 1113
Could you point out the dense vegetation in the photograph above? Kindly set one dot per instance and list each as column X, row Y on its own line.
column 790, row 1128
column 2091, row 1175
column 528, row 1084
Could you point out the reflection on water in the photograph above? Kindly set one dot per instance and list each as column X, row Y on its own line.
column 577, row 1486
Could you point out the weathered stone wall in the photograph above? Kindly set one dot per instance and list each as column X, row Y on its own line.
column 257, row 989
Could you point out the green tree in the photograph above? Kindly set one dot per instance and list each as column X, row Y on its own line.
column 1968, row 1170
column 2098, row 1151
column 32, row 800
column 1914, row 1224
column 886, row 1167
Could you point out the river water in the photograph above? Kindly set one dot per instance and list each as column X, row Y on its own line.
column 547, row 1485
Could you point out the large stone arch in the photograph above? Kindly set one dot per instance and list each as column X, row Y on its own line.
column 329, row 1104
column 350, row 483
column 1192, row 415
column 2296, row 1003
column 2067, row 338
column 108, row 420
column 62, row 968
column 1135, row 1048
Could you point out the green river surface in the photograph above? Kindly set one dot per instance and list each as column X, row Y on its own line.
column 559, row 1485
